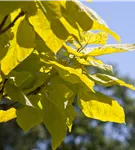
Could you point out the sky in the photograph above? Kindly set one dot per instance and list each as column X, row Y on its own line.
column 120, row 17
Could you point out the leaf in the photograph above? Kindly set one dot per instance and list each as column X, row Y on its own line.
column 21, row 79
column 37, row 81
column 97, row 26
column 70, row 113
column 6, row 7
column 72, row 51
column 90, row 61
column 108, row 80
column 97, row 22
column 4, row 43
column 73, row 75
column 28, row 117
column 45, row 28
column 63, row 97
column 77, row 13
column 35, row 101
column 55, row 121
column 70, row 29
column 93, row 15
column 110, row 48
column 94, row 38
column 30, row 64
column 101, row 107
column 16, row 94
column 17, row 52
column 6, row 115
column 53, row 8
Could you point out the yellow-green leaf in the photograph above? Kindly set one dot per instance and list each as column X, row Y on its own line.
column 55, row 121
column 90, row 61
column 101, row 107
column 6, row 115
column 28, row 117
column 4, row 43
column 51, row 31
column 71, row 30
column 72, row 51
column 97, row 26
column 76, row 12
column 108, row 80
column 15, row 93
column 70, row 113
column 18, row 49
column 63, row 97
column 53, row 8
column 94, row 38
column 110, row 48
column 73, row 75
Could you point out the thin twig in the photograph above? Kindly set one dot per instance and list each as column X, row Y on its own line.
column 13, row 22
column 78, row 50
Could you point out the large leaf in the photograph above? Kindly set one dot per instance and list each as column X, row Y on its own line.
column 4, row 43
column 6, row 7
column 55, row 121
column 30, row 64
column 47, row 30
column 110, row 48
column 76, row 12
column 108, row 80
column 6, row 115
column 101, row 107
column 28, row 117
column 98, row 23
column 73, row 75
column 57, row 10
column 53, row 8
column 21, row 79
column 90, row 61
column 94, row 38
column 16, row 94
column 36, row 82
column 63, row 98
column 21, row 45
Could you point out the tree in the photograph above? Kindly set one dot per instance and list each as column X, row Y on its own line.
column 46, row 65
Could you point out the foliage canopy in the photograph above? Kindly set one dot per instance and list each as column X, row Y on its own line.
column 46, row 56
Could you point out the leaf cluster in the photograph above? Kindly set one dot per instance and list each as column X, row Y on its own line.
column 46, row 54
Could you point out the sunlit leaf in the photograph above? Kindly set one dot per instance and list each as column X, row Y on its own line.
column 72, row 51
column 102, row 27
column 6, row 115
column 73, row 75
column 45, row 28
column 110, row 48
column 108, row 80
column 94, row 38
column 18, row 49
column 101, row 107
column 90, row 61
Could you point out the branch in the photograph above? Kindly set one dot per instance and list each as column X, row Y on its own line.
column 12, row 23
